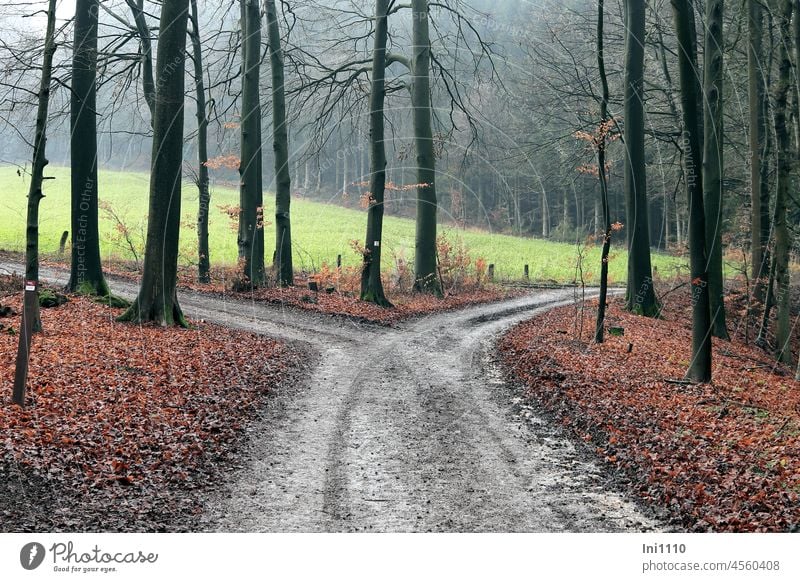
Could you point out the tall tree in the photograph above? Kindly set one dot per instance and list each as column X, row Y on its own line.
column 713, row 167
column 783, row 13
column 641, row 297
column 157, row 300
column 86, row 273
column 251, row 212
column 203, row 258
column 371, row 284
column 284, row 271
column 759, row 195
column 601, row 171
column 425, row 271
column 700, row 366
column 35, row 193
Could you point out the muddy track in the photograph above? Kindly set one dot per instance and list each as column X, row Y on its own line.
column 408, row 428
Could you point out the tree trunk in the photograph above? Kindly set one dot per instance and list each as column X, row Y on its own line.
column 783, row 12
column 284, row 271
column 345, row 172
column 251, row 217
column 713, row 166
column 371, row 284
column 700, row 366
column 425, row 272
column 601, row 167
column 203, row 258
column 755, row 57
column 86, row 272
column 641, row 297
column 146, row 47
column 158, row 300
column 545, row 215
column 40, row 160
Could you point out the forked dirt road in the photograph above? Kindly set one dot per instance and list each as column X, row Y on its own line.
column 408, row 428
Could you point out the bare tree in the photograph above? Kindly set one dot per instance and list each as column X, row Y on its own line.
column 284, row 271
column 700, row 365
column 425, row 273
column 371, row 283
column 203, row 252
column 157, row 300
column 35, row 193
column 605, row 125
column 780, row 258
column 251, row 211
column 641, row 293
column 86, row 273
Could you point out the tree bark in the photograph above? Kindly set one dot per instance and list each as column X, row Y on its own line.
column 86, row 271
column 641, row 296
column 203, row 258
column 713, row 166
column 759, row 227
column 700, row 366
column 601, row 167
column 251, row 218
column 425, row 272
column 158, row 300
column 783, row 12
column 284, row 271
column 371, row 284
column 40, row 160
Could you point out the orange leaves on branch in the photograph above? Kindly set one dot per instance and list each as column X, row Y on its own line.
column 358, row 247
column 366, row 200
column 232, row 212
column 605, row 132
column 229, row 162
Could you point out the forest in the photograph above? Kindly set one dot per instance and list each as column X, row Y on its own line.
column 392, row 203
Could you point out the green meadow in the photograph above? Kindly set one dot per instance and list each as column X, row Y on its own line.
column 320, row 231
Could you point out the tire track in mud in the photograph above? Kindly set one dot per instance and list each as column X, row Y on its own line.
column 409, row 428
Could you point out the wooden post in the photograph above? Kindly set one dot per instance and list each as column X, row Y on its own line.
column 526, row 273
column 26, row 332
column 491, row 272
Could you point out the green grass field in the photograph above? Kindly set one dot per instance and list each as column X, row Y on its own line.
column 320, row 231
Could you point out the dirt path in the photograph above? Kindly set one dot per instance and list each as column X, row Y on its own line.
column 405, row 429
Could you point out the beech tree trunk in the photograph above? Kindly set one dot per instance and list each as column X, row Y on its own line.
column 759, row 196
column 158, row 300
column 700, row 365
column 40, row 160
column 371, row 284
column 203, row 258
column 601, row 167
column 251, row 217
column 783, row 14
column 425, row 272
column 545, row 216
column 284, row 271
column 641, row 297
column 713, row 166
column 86, row 271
